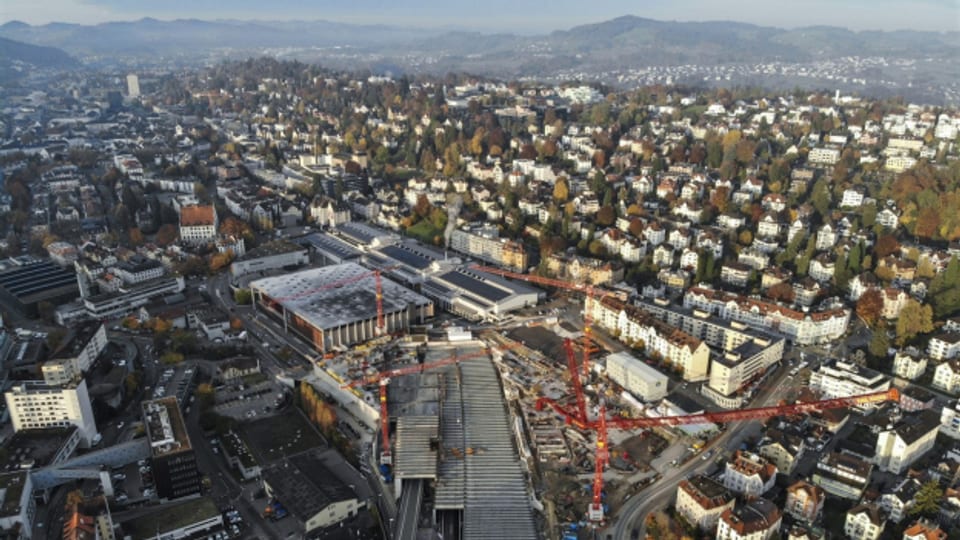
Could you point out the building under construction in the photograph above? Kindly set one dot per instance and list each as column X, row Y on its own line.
column 337, row 305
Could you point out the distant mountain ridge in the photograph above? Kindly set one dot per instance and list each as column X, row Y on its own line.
column 16, row 51
column 619, row 38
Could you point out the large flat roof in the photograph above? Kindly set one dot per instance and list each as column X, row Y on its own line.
column 305, row 484
column 170, row 517
column 336, row 295
column 416, row 458
column 636, row 365
column 165, row 427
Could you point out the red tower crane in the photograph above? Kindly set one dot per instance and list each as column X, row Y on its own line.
column 720, row 417
column 575, row 380
column 595, row 512
column 383, row 380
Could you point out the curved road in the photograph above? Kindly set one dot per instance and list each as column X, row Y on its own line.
column 657, row 496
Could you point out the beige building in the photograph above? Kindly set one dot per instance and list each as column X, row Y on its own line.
column 701, row 500
column 782, row 449
column 757, row 519
column 863, row 522
column 635, row 326
column 584, row 270
column 805, row 501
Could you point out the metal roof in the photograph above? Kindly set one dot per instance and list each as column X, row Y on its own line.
column 309, row 295
column 488, row 483
column 414, row 456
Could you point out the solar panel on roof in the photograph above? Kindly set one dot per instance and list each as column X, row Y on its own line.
column 476, row 286
column 407, row 257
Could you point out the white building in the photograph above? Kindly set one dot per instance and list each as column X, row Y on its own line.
column 944, row 346
column 947, row 377
column 641, row 380
column 901, row 446
column 75, row 356
column 749, row 474
column 909, row 364
column 950, row 421
column 837, row 379
column 863, row 522
column 797, row 326
column 133, row 85
column 824, row 156
column 852, row 198
column 198, row 224
column 36, row 405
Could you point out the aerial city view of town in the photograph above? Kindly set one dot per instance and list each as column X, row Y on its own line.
column 411, row 291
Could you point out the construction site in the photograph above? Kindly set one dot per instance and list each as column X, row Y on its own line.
column 521, row 425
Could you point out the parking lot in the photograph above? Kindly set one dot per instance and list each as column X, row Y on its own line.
column 241, row 401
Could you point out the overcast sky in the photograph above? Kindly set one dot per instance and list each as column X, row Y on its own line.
column 523, row 16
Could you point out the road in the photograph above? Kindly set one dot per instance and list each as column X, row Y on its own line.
column 661, row 493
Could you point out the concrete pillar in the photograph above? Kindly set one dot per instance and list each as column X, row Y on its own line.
column 107, row 483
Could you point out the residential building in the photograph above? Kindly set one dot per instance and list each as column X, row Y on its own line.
column 17, row 505
column 636, row 377
column 837, row 378
column 171, row 453
column 950, row 421
column 701, row 500
column 735, row 273
column 34, row 405
column 198, row 224
column 946, row 377
column 756, row 519
column 909, row 364
column 237, row 368
column 749, row 474
column 904, row 444
column 944, row 346
column 843, row 475
column 863, row 522
column 138, row 269
column 482, row 241
column 823, row 156
column 75, row 356
column 805, row 501
column 797, row 326
column 897, row 503
column 782, row 449
column 924, row 530
column 634, row 325
column 584, row 270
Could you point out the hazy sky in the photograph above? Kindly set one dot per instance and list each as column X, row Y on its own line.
column 523, row 16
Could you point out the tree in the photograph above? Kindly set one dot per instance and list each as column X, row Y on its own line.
column 606, row 216
column 206, row 395
column 879, row 343
column 914, row 319
column 221, row 260
column 243, row 296
column 171, row 358
column 135, row 236
column 870, row 306
column 745, row 237
column 927, row 500
column 561, row 192
column 886, row 245
column 167, row 235
column 234, row 227
column 782, row 292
